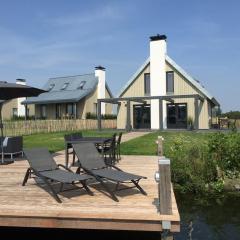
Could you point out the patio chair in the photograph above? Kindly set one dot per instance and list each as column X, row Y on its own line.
column 43, row 166
column 93, row 164
column 72, row 137
column 12, row 145
column 117, row 147
column 108, row 150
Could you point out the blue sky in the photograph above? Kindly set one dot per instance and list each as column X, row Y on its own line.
column 42, row 39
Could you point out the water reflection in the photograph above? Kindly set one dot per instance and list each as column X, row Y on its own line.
column 214, row 218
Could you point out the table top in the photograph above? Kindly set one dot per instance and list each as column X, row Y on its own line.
column 90, row 139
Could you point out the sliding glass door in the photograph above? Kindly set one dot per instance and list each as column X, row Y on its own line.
column 177, row 115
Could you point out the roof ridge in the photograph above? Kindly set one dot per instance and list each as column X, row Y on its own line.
column 73, row 76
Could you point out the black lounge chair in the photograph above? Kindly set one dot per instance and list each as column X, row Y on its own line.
column 93, row 164
column 43, row 166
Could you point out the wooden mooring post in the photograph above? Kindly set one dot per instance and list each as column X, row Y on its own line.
column 163, row 178
column 160, row 145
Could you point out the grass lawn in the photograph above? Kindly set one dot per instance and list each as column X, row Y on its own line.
column 145, row 145
column 55, row 141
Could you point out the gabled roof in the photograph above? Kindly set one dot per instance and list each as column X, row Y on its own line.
column 72, row 93
column 171, row 62
column 109, row 91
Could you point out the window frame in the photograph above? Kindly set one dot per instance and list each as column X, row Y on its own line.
column 65, row 85
column 58, row 111
column 172, row 72
column 82, row 84
column 145, row 85
column 16, row 113
column 41, row 111
column 51, row 86
column 73, row 109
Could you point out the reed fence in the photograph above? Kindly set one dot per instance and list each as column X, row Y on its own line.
column 16, row 128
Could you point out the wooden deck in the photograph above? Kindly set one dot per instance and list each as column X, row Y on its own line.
column 33, row 206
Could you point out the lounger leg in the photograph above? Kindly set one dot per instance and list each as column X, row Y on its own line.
column 107, row 189
column 87, row 188
column 74, row 156
column 51, row 188
column 137, row 185
column 78, row 170
column 26, row 176
column 61, row 187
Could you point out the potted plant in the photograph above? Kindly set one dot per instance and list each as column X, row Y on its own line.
column 190, row 123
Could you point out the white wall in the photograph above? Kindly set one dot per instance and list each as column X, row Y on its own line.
column 158, row 50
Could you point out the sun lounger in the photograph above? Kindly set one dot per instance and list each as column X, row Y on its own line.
column 43, row 166
column 93, row 164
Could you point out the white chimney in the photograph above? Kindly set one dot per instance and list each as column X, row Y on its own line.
column 20, row 107
column 158, row 51
column 100, row 73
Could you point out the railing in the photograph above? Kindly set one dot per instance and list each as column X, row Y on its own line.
column 16, row 128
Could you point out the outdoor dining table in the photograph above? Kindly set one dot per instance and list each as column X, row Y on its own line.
column 96, row 140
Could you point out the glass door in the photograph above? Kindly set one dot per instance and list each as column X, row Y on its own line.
column 177, row 115
column 141, row 116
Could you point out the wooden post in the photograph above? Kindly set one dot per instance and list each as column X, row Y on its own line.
column 75, row 110
column 165, row 186
column 26, row 112
column 196, row 122
column 128, row 123
column 160, row 146
column 99, row 114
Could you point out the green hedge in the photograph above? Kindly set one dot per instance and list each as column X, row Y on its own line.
column 90, row 115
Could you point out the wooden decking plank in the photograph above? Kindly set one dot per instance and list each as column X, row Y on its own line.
column 31, row 205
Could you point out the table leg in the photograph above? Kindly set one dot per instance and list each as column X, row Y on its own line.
column 66, row 155
column 102, row 149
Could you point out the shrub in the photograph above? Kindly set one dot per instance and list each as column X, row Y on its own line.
column 224, row 150
column 90, row 115
column 195, row 165
column 21, row 118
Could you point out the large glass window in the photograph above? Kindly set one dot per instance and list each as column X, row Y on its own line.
column 71, row 110
column 43, row 111
column 58, row 111
column 170, row 82
column 14, row 112
column 147, row 83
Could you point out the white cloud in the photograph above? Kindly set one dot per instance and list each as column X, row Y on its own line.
column 103, row 13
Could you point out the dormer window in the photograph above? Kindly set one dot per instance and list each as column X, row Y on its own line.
column 65, row 85
column 51, row 86
column 81, row 85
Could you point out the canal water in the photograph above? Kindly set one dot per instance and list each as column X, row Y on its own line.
column 213, row 218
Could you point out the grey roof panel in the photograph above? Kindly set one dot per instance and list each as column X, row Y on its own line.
column 70, row 94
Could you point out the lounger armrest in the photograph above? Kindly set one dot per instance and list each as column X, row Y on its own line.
column 68, row 169
column 122, row 170
column 110, row 165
